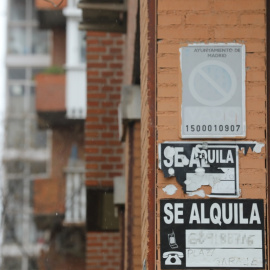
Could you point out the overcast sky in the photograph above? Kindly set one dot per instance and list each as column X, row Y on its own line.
column 3, row 17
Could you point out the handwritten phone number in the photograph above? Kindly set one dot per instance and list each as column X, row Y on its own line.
column 212, row 128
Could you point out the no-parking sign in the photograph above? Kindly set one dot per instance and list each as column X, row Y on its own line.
column 213, row 90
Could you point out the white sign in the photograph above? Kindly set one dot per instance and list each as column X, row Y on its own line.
column 213, row 90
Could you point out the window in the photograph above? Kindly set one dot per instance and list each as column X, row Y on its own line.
column 17, row 40
column 16, row 73
column 16, row 98
column 101, row 214
column 14, row 166
column 13, row 212
column 82, row 46
column 38, row 138
column 32, row 264
column 39, row 44
column 11, row 263
column 22, row 127
column 15, row 134
column 17, row 10
column 24, row 37
column 38, row 167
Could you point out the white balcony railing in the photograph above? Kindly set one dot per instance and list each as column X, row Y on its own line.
column 75, row 195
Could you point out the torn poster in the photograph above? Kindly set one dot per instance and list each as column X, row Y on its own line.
column 197, row 164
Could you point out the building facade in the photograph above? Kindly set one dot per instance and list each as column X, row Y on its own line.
column 27, row 149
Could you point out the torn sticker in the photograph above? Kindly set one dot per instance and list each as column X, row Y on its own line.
column 197, row 164
column 199, row 193
column 170, row 189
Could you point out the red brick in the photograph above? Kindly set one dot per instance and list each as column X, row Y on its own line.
column 92, row 88
column 96, row 96
column 96, row 80
column 96, row 49
column 108, row 119
column 115, row 96
column 95, row 111
column 93, row 143
column 113, row 112
column 116, row 35
column 239, row 5
column 119, row 57
column 107, row 73
column 107, row 135
column 114, row 174
column 92, row 73
column 92, row 57
column 119, row 42
column 106, row 183
column 107, row 41
column 93, row 103
column 95, row 174
column 116, row 65
column 107, row 104
column 212, row 19
column 91, row 134
column 91, row 183
column 115, row 50
column 183, row 5
column 97, row 65
column 91, row 166
column 114, row 159
column 92, row 119
column 107, row 88
column 106, row 167
column 107, row 57
column 116, row 81
column 95, row 34
column 95, row 126
column 92, row 41
column 254, row 19
column 240, row 32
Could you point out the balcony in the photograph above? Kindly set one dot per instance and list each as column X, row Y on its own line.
column 75, row 213
column 50, row 15
column 50, row 99
column 103, row 15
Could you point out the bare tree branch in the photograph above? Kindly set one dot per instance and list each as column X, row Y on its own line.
column 55, row 5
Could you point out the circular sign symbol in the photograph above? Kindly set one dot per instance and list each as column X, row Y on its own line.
column 212, row 83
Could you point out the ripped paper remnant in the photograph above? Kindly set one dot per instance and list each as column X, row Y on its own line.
column 198, row 164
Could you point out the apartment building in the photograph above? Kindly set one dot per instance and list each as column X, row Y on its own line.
column 27, row 148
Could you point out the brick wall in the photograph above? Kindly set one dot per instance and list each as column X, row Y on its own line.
column 130, row 41
column 59, row 46
column 242, row 21
column 49, row 194
column 132, row 256
column 103, row 251
column 103, row 151
column 147, row 38
column 50, row 92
